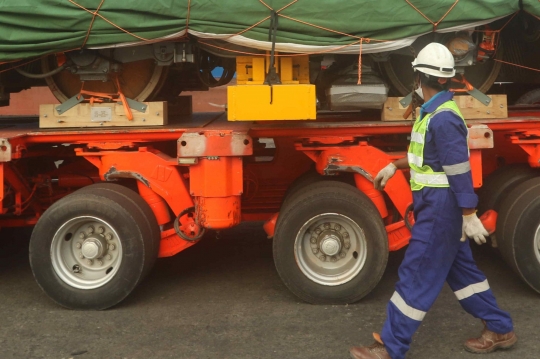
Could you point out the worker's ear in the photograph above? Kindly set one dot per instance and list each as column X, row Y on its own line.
column 442, row 80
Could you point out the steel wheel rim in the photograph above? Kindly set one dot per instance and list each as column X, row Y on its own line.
column 340, row 264
column 102, row 255
column 537, row 243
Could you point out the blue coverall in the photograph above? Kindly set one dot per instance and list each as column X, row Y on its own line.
column 435, row 253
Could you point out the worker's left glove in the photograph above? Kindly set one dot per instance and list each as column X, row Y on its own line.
column 473, row 228
column 383, row 176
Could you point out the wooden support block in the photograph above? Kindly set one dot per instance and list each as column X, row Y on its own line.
column 470, row 107
column 102, row 115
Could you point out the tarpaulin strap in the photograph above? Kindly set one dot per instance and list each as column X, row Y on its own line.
column 509, row 63
column 92, row 23
column 108, row 21
column 360, row 63
column 435, row 24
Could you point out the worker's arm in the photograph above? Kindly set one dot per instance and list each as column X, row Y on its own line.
column 402, row 163
column 450, row 136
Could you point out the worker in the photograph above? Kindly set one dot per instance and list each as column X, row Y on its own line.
column 445, row 216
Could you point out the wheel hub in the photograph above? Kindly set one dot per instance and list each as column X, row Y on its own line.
column 330, row 245
column 93, row 248
column 330, row 242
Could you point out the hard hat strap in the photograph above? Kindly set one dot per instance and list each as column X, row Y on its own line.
column 442, row 69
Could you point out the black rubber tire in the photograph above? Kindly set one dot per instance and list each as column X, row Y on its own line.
column 127, row 220
column 499, row 183
column 306, row 179
column 529, row 98
column 154, row 233
column 517, row 223
column 330, row 197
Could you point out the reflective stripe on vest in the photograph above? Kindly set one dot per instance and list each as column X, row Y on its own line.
column 423, row 175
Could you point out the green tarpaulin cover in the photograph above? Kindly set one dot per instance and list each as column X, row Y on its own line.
column 30, row 28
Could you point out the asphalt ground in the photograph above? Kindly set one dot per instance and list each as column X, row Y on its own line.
column 223, row 299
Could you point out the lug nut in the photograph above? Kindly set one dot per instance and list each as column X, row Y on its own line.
column 90, row 230
column 327, row 225
column 315, row 250
column 337, row 227
column 81, row 255
column 347, row 245
column 109, row 257
column 78, row 245
column 313, row 240
column 333, row 259
column 89, row 262
column 112, row 247
column 100, row 230
column 81, row 235
column 108, row 236
column 322, row 257
column 342, row 255
column 100, row 262
column 318, row 231
column 345, row 235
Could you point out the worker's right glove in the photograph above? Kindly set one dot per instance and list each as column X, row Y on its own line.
column 384, row 175
column 473, row 228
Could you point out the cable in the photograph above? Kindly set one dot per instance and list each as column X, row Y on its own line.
column 40, row 76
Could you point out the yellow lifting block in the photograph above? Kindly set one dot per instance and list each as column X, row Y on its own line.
column 266, row 103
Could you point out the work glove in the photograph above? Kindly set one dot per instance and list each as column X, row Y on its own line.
column 383, row 176
column 473, row 228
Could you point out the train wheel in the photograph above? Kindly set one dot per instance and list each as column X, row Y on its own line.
column 330, row 244
column 90, row 249
column 139, row 80
column 398, row 71
column 518, row 229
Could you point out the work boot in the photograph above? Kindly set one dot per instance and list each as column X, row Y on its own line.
column 490, row 341
column 374, row 351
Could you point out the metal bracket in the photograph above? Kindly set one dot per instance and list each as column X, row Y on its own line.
column 70, row 103
column 135, row 105
column 484, row 99
column 406, row 101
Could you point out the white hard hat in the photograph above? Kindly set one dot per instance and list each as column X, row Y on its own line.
column 436, row 60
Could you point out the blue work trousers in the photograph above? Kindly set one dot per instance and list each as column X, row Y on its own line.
column 435, row 255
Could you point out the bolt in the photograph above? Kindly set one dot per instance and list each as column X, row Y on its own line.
column 315, row 250
column 81, row 235
column 101, row 123
column 488, row 112
column 100, row 262
column 89, row 262
column 78, row 245
column 322, row 257
column 487, row 101
column 90, row 230
column 337, row 227
column 112, row 247
column 108, row 236
column 104, row 70
column 144, row 120
column 342, row 254
column 327, row 225
column 501, row 105
column 318, row 231
column 59, row 121
column 157, row 113
column 100, row 230
column 45, row 115
column 76, row 269
column 347, row 245
column 109, row 257
column 313, row 240
column 333, row 259
column 81, row 255
column 346, row 235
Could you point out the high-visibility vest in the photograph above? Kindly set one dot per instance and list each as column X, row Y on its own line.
column 421, row 174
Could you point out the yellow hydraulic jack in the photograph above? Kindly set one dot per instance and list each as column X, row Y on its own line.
column 266, row 92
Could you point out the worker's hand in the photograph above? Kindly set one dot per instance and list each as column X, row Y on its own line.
column 473, row 228
column 384, row 175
